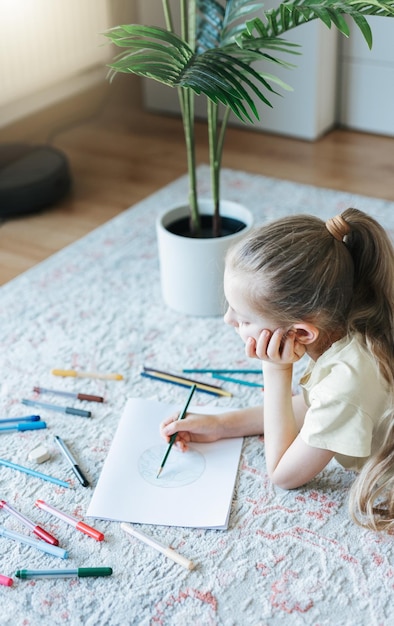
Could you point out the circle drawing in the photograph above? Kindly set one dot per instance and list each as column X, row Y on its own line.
column 180, row 469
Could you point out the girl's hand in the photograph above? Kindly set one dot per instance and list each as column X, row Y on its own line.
column 280, row 347
column 194, row 427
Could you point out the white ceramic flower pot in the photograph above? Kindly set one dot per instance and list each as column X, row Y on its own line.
column 192, row 269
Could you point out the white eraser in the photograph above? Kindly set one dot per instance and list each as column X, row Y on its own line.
column 39, row 454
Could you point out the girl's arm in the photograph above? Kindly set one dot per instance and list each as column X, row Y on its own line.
column 290, row 462
column 205, row 428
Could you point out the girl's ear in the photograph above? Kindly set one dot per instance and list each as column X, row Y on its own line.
column 306, row 333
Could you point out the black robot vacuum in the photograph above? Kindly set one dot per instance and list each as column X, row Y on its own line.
column 32, row 178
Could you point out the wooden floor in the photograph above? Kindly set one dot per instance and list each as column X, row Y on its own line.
column 122, row 154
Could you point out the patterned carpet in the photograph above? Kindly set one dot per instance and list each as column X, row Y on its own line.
column 287, row 558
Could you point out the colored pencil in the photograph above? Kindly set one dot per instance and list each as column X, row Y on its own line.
column 190, row 380
column 173, row 382
column 182, row 415
column 239, row 381
column 174, row 378
column 220, row 371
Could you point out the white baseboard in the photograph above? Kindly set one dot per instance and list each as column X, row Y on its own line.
column 15, row 111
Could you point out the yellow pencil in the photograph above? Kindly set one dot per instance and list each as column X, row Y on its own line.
column 185, row 382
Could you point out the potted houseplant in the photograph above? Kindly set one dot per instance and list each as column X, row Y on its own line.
column 213, row 55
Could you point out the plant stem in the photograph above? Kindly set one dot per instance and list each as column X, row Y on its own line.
column 168, row 16
column 216, row 143
column 214, row 162
column 191, row 24
column 186, row 102
column 186, row 97
column 188, row 18
column 222, row 134
column 219, row 153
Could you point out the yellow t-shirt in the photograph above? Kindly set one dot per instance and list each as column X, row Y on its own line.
column 346, row 398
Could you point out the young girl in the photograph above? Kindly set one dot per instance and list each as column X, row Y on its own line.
column 299, row 285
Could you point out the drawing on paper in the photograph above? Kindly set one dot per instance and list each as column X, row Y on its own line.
column 181, row 468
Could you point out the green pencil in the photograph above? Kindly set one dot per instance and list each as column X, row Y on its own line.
column 182, row 415
column 221, row 371
column 239, row 381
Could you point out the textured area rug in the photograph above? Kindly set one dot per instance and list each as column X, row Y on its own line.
column 287, row 557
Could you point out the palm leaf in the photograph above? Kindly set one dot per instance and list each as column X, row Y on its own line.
column 126, row 36
column 209, row 23
column 236, row 12
column 217, row 26
column 151, row 52
column 292, row 13
column 223, row 75
column 235, row 76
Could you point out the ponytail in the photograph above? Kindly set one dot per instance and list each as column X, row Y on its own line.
column 372, row 308
column 372, row 315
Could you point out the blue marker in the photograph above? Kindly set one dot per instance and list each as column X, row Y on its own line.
column 25, row 418
column 22, row 426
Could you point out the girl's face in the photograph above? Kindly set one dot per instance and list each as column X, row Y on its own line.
column 245, row 320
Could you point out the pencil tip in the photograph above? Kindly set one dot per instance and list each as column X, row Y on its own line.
column 159, row 472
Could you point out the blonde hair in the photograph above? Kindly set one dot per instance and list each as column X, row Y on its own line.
column 372, row 494
column 299, row 270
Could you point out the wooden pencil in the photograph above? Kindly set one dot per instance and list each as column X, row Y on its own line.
column 182, row 415
column 167, row 377
column 220, row 371
column 238, row 381
column 173, row 382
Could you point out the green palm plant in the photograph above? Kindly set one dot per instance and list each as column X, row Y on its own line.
column 214, row 55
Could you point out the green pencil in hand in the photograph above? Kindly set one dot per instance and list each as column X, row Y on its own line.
column 173, row 437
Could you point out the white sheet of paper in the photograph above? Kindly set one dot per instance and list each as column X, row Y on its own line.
column 195, row 488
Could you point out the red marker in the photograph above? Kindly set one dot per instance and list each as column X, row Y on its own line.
column 6, row 581
column 84, row 528
column 37, row 530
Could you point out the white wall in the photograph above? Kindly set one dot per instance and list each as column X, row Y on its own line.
column 53, row 49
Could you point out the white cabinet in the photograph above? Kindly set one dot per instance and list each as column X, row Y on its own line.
column 366, row 94
column 306, row 112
